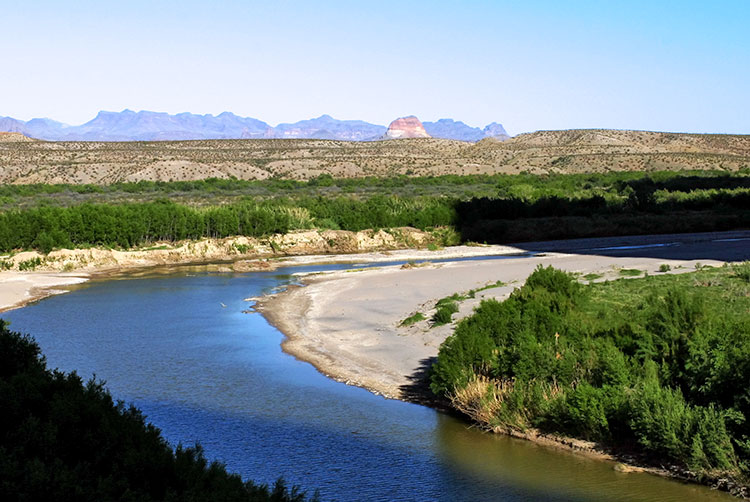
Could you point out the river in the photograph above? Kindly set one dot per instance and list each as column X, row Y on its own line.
column 179, row 347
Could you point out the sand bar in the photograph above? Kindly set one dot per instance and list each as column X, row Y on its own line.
column 19, row 288
column 347, row 323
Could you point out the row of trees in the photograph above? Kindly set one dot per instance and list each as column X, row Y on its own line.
column 129, row 225
column 536, row 209
column 666, row 373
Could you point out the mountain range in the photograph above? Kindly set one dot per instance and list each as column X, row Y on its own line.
column 128, row 125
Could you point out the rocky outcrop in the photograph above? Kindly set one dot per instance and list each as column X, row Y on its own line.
column 495, row 130
column 406, row 127
column 13, row 137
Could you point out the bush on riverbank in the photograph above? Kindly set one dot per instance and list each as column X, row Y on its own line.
column 61, row 439
column 659, row 364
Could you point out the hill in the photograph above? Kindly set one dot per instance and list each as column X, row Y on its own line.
column 572, row 151
column 13, row 137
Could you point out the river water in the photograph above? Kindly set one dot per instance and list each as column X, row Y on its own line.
column 179, row 347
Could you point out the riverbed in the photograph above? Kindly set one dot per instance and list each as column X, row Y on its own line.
column 180, row 347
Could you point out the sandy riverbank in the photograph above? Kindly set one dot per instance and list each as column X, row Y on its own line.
column 64, row 268
column 19, row 288
column 347, row 323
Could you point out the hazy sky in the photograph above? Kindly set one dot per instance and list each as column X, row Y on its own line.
column 657, row 65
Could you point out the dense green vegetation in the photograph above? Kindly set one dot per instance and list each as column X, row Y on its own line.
column 128, row 225
column 659, row 364
column 499, row 208
column 529, row 187
column 63, row 440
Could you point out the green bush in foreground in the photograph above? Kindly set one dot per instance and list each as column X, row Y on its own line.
column 61, row 439
column 661, row 364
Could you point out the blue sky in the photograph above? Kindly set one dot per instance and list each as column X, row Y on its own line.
column 666, row 65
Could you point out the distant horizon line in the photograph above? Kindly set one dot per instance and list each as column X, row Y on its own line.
column 227, row 112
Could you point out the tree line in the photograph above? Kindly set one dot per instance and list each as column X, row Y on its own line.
column 133, row 224
column 523, row 208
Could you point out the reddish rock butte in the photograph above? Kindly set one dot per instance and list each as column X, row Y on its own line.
column 406, row 127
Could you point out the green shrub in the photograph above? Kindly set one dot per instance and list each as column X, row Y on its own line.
column 742, row 271
column 630, row 272
column 31, row 264
column 413, row 319
column 444, row 313
column 665, row 424
column 654, row 362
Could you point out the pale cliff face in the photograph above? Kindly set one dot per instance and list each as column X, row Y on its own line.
column 406, row 127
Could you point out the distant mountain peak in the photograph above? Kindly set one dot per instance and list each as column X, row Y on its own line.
column 497, row 131
column 448, row 128
column 146, row 125
column 406, row 127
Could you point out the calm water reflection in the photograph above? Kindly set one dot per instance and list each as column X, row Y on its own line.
column 208, row 373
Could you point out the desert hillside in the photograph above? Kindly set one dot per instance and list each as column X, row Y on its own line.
column 13, row 137
column 538, row 152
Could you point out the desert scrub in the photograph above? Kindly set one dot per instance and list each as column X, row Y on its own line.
column 29, row 265
column 446, row 307
column 630, row 272
column 446, row 236
column 275, row 247
column 242, row 248
column 473, row 292
column 413, row 319
column 156, row 248
column 742, row 271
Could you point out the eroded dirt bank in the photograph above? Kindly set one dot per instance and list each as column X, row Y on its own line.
column 31, row 275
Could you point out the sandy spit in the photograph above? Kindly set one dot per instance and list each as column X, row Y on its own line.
column 347, row 323
column 20, row 288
